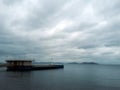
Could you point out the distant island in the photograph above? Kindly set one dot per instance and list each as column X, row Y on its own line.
column 83, row 63
column 89, row 63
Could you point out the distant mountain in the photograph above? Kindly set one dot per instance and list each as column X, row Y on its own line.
column 83, row 63
column 89, row 63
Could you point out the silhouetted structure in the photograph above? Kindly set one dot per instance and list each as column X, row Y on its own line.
column 22, row 65
column 19, row 62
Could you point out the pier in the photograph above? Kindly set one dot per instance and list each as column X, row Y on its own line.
column 26, row 65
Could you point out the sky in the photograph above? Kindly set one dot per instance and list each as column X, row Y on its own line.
column 60, row 30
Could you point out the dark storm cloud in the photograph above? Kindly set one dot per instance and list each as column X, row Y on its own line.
column 67, row 30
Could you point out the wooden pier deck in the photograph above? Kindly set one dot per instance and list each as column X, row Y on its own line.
column 43, row 67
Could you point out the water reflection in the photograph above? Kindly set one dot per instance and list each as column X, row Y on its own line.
column 18, row 74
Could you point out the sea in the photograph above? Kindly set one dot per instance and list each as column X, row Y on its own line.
column 72, row 77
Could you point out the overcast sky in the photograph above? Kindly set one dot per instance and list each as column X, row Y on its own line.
column 60, row 30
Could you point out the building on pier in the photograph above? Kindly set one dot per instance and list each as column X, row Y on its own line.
column 19, row 62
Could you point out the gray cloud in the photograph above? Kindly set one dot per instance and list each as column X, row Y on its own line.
column 71, row 30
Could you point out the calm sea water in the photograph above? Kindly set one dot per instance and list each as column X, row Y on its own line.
column 72, row 77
